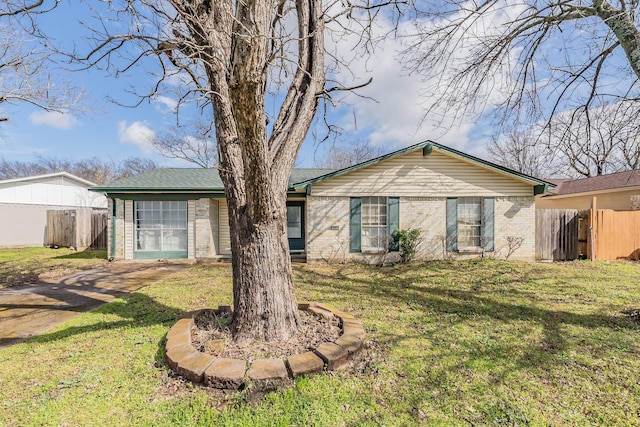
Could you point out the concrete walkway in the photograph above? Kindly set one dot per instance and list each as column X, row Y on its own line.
column 33, row 309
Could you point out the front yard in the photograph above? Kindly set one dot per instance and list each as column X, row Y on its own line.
column 449, row 343
column 27, row 265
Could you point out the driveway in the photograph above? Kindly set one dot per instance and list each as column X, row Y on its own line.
column 33, row 309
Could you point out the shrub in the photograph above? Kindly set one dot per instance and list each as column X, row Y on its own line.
column 408, row 241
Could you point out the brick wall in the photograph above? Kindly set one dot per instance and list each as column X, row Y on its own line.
column 515, row 217
column 328, row 228
column 119, row 243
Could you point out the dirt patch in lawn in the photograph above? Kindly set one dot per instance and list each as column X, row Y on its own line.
column 212, row 335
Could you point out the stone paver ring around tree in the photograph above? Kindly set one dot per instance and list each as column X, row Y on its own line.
column 224, row 373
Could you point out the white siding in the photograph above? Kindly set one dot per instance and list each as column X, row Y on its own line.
column 214, row 221
column 23, row 224
column 412, row 174
column 223, row 229
column 191, row 229
column 128, row 229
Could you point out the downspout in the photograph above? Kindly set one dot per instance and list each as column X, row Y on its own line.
column 112, row 252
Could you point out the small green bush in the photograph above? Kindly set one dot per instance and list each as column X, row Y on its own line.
column 408, row 240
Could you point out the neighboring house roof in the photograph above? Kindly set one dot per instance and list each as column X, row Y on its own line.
column 181, row 180
column 609, row 182
column 54, row 189
column 48, row 176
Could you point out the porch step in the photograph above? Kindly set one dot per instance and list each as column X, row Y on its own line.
column 299, row 257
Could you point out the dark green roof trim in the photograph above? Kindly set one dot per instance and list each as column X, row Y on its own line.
column 164, row 196
column 540, row 189
column 427, row 147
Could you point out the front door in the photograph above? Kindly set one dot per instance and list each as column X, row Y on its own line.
column 295, row 225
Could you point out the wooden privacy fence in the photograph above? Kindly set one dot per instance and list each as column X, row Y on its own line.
column 79, row 228
column 561, row 234
column 99, row 224
column 616, row 234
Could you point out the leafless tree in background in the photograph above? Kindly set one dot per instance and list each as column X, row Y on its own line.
column 94, row 169
column 27, row 73
column 342, row 156
column 527, row 61
column 580, row 144
column 595, row 142
column 194, row 143
column 523, row 152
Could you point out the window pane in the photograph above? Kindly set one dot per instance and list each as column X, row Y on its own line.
column 148, row 240
column 470, row 222
column 174, row 240
column 161, row 225
column 294, row 222
column 374, row 223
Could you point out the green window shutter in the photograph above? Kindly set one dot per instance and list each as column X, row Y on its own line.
column 488, row 224
column 452, row 225
column 393, row 219
column 355, row 220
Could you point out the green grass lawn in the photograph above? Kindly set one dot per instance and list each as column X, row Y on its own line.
column 449, row 343
column 27, row 265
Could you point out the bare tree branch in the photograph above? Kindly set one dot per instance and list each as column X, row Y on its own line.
column 521, row 62
column 193, row 143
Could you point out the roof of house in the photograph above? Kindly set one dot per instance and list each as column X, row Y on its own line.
column 62, row 174
column 618, row 180
column 188, row 179
column 176, row 180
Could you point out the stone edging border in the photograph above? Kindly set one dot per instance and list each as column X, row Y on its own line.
column 225, row 373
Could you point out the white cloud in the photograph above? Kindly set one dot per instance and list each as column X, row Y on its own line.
column 54, row 119
column 137, row 133
column 166, row 103
column 397, row 116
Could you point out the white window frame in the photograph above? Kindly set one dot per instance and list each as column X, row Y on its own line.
column 170, row 221
column 374, row 223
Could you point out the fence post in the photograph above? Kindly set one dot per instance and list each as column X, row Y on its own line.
column 593, row 229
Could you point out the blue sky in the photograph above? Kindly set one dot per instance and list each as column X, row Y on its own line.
column 388, row 113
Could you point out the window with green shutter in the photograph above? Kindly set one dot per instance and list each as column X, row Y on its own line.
column 354, row 225
column 373, row 222
column 470, row 223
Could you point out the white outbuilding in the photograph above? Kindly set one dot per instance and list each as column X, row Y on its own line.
column 24, row 203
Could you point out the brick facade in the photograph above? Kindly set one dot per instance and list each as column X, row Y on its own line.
column 206, row 220
column 120, row 241
column 328, row 228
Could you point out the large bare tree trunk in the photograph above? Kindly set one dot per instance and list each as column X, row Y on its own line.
column 255, row 169
column 264, row 301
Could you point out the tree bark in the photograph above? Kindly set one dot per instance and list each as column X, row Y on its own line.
column 264, row 302
column 622, row 23
column 254, row 168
